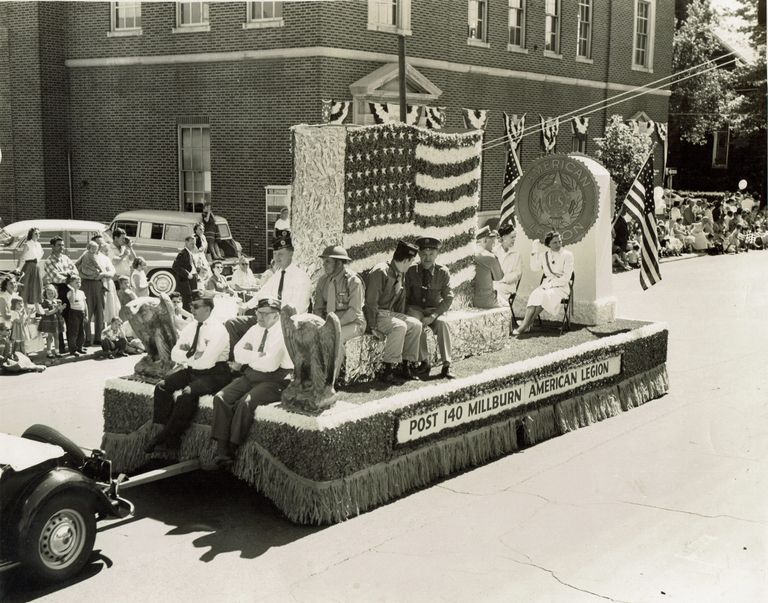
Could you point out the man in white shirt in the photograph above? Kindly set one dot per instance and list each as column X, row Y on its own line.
column 202, row 351
column 266, row 371
column 510, row 263
column 289, row 285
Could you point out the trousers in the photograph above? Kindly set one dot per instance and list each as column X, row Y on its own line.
column 442, row 332
column 176, row 416
column 235, row 405
column 75, row 330
column 402, row 336
column 94, row 297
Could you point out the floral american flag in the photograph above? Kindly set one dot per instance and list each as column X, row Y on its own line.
column 403, row 182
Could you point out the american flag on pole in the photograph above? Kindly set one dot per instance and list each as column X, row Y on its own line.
column 640, row 205
column 512, row 175
column 404, row 182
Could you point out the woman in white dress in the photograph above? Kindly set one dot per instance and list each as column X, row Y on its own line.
column 557, row 265
column 30, row 259
column 111, row 302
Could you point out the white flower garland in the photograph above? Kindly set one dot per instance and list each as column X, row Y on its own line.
column 385, row 231
column 446, row 208
column 449, row 182
column 447, row 156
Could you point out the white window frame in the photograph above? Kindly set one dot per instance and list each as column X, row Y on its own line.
column 276, row 198
column 715, row 139
column 523, row 11
column 584, row 58
column 558, row 14
column 203, row 26
column 182, row 171
column 651, row 34
column 251, row 23
column 482, row 41
column 119, row 32
column 403, row 25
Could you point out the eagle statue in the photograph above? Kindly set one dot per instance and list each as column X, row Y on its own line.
column 314, row 346
column 152, row 321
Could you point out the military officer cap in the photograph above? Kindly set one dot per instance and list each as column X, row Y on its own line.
column 506, row 228
column 269, row 302
column 404, row 251
column 336, row 252
column 283, row 243
column 428, row 243
column 486, row 232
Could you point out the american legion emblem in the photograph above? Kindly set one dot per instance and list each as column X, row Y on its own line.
column 557, row 192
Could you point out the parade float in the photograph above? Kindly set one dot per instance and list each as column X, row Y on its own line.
column 365, row 188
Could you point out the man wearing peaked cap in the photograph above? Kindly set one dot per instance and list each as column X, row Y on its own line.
column 487, row 270
column 266, row 369
column 428, row 297
column 288, row 283
column 384, row 313
column 340, row 291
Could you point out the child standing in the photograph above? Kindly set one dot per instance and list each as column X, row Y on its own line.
column 139, row 278
column 50, row 308
column 19, row 321
column 113, row 340
column 77, row 316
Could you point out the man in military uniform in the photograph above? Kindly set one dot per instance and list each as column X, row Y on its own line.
column 340, row 291
column 428, row 296
column 487, row 270
column 385, row 313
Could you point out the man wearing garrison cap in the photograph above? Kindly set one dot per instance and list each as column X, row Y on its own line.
column 289, row 284
column 266, row 371
column 428, row 296
column 487, row 269
column 340, row 291
column 384, row 313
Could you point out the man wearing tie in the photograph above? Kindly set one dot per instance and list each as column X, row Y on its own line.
column 202, row 351
column 340, row 291
column 266, row 371
column 186, row 273
column 428, row 296
column 289, row 284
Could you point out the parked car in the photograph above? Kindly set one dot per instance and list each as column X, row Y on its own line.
column 76, row 234
column 158, row 236
column 51, row 496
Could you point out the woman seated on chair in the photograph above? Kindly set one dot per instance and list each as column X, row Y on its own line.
column 557, row 265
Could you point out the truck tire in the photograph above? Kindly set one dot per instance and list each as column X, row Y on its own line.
column 48, row 435
column 60, row 537
column 162, row 281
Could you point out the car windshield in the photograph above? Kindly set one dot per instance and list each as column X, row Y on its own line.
column 6, row 239
column 224, row 230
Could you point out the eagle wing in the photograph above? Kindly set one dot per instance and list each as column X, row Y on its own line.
column 289, row 331
column 329, row 336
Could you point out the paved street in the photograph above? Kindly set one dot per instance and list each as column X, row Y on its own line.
column 663, row 503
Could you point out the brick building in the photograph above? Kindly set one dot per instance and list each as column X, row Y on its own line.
column 113, row 106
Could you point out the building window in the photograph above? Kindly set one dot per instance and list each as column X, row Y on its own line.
column 194, row 166
column 477, row 23
column 392, row 16
column 642, row 52
column 192, row 16
column 277, row 198
column 720, row 146
column 584, row 39
column 125, row 19
column 579, row 144
column 260, row 11
column 517, row 23
column 552, row 26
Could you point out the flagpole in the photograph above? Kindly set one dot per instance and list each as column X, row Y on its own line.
column 642, row 165
column 401, row 75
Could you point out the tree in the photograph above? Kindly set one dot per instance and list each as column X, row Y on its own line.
column 622, row 152
column 702, row 104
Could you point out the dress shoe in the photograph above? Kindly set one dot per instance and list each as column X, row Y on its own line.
column 447, row 373
column 423, row 369
column 150, row 446
column 407, row 373
column 387, row 375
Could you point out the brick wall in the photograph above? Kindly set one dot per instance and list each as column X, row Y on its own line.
column 7, row 181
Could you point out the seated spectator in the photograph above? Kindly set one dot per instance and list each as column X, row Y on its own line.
column 633, row 255
column 243, row 279
column 113, row 339
column 619, row 258
column 218, row 282
column 289, row 284
column 680, row 231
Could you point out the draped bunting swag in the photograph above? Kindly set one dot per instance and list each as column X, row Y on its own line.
column 475, row 119
column 513, row 129
column 413, row 114
column 661, row 130
column 549, row 130
column 580, row 126
column 335, row 112
column 435, row 117
column 380, row 112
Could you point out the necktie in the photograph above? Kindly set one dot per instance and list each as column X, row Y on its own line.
column 426, row 278
column 191, row 351
column 331, row 294
column 263, row 341
column 280, row 286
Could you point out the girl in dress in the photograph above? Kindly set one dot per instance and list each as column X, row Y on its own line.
column 557, row 265
column 111, row 301
column 50, row 323
column 30, row 258
column 139, row 280
column 19, row 322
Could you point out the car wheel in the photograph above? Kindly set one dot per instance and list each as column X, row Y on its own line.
column 60, row 537
column 162, row 281
column 48, row 435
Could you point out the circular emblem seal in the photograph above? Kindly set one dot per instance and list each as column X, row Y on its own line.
column 557, row 192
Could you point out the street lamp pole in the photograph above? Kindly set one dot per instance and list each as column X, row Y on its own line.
column 401, row 74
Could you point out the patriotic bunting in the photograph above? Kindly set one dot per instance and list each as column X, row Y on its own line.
column 413, row 114
column 435, row 117
column 661, row 130
column 513, row 128
column 634, row 126
column 640, row 205
column 380, row 112
column 335, row 112
column 474, row 119
column 580, row 126
column 549, row 129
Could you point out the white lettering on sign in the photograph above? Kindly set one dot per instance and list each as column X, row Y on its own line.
column 487, row 405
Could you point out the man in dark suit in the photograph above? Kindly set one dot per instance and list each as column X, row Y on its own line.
column 185, row 271
column 428, row 296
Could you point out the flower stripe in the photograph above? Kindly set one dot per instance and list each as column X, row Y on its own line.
column 447, row 169
column 471, row 189
column 386, row 231
column 452, row 155
column 445, row 208
column 458, row 216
